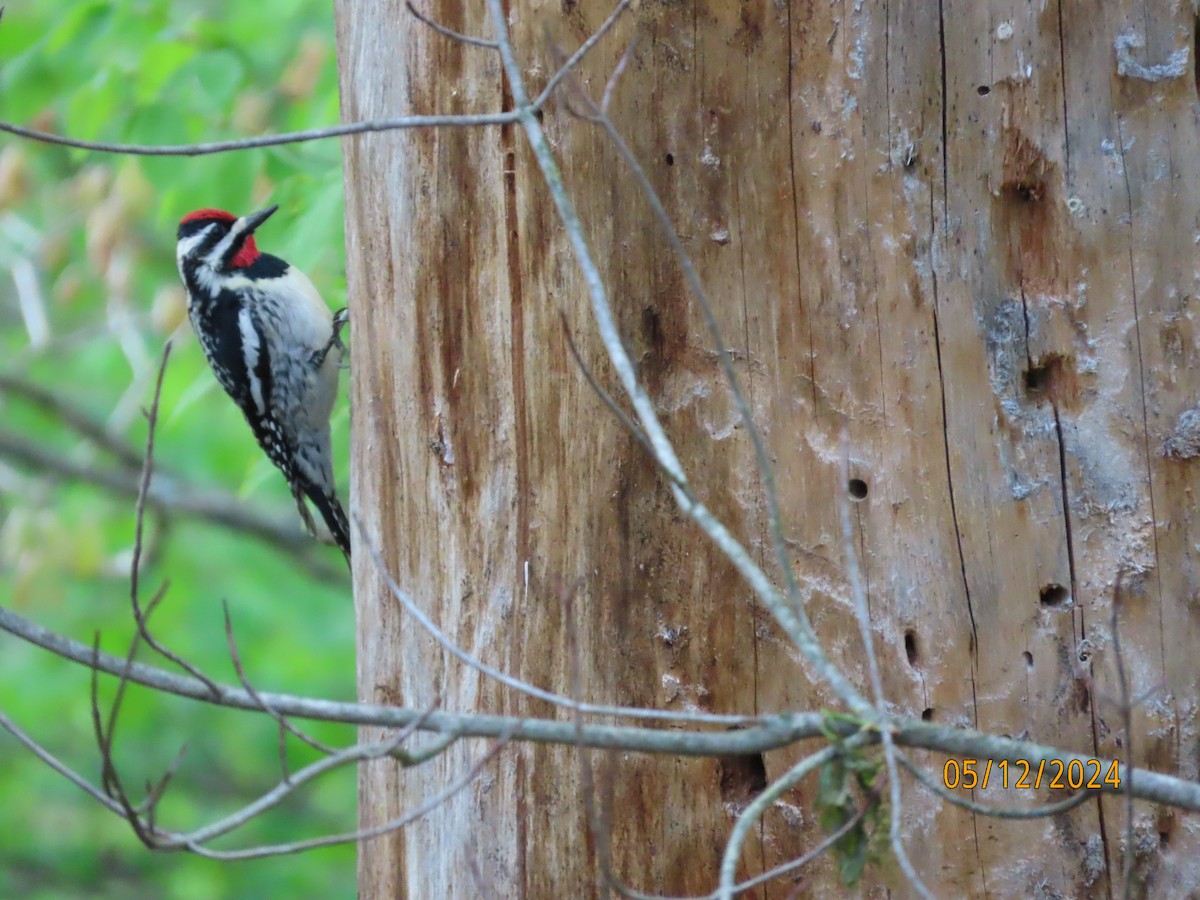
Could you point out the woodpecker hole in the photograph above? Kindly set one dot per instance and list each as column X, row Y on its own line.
column 910, row 647
column 1051, row 378
column 983, row 90
column 1166, row 825
column 669, row 159
column 927, row 714
column 539, row 115
column 1054, row 596
column 742, row 777
column 1028, row 660
column 652, row 329
column 1024, row 191
column 1037, row 379
column 857, row 488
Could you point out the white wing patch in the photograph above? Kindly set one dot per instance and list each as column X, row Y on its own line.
column 251, row 349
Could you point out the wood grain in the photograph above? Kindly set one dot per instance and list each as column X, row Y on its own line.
column 952, row 229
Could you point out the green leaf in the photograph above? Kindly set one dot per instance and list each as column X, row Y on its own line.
column 854, row 856
column 93, row 108
column 81, row 25
column 207, row 83
column 160, row 61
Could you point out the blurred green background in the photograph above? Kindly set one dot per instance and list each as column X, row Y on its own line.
column 88, row 295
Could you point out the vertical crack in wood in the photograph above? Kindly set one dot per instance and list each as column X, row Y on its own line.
column 796, row 217
column 945, row 115
column 521, row 442
column 1141, row 371
column 937, row 341
column 1062, row 72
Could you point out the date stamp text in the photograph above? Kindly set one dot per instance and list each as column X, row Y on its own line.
column 1032, row 775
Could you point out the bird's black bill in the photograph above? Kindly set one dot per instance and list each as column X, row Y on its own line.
column 255, row 219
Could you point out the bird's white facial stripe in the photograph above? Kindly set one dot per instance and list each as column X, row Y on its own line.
column 219, row 252
column 250, row 351
column 186, row 245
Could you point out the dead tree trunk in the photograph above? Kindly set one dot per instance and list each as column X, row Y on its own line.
column 963, row 232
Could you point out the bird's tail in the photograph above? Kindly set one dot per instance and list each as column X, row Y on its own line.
column 330, row 508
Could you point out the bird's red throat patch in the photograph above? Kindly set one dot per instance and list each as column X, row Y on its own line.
column 248, row 254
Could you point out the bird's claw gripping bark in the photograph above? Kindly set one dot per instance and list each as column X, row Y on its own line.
column 341, row 319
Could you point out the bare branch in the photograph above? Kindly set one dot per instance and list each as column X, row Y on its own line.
column 777, row 731
column 430, row 803
column 117, row 800
column 331, row 131
column 281, row 720
column 606, row 398
column 760, row 804
column 171, row 497
column 790, row 616
column 449, row 32
column 58, row 766
column 266, row 140
column 141, row 617
column 406, row 602
column 617, row 71
column 984, row 809
column 1127, row 725
column 771, row 732
column 802, row 861
column 168, row 496
column 863, row 614
column 504, row 46
column 70, row 415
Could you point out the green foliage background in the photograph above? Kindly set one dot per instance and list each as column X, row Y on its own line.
column 98, row 233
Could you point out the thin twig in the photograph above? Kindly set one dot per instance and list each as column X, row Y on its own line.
column 318, row 134
column 449, row 32
column 606, row 398
column 266, row 140
column 169, row 496
column 611, row 86
column 760, row 804
column 73, row 417
column 284, row 724
column 801, row 861
column 790, row 616
column 141, row 616
column 281, row 791
column 771, row 732
column 142, row 818
column 984, row 809
column 862, row 614
column 1127, row 724
column 410, row 606
column 432, row 802
column 58, row 766
column 110, row 779
column 503, row 45
column 152, row 836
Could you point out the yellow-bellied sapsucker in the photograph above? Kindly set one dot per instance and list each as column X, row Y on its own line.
column 274, row 347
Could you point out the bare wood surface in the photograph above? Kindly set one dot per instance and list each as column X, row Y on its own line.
column 954, row 229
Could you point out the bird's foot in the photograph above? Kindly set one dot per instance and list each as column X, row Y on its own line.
column 341, row 319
